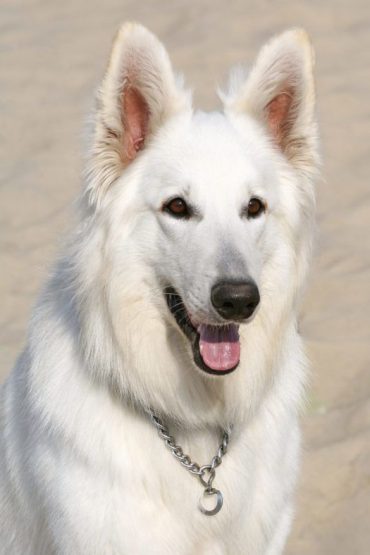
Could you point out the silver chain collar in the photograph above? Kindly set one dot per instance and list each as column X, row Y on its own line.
column 205, row 473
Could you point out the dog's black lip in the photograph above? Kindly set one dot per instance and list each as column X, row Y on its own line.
column 179, row 312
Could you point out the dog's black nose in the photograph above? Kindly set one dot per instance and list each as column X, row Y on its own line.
column 235, row 300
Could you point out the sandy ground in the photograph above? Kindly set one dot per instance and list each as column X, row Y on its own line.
column 52, row 54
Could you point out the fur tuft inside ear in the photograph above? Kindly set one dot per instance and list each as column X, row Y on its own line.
column 139, row 93
column 279, row 93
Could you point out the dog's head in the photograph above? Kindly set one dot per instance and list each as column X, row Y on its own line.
column 201, row 221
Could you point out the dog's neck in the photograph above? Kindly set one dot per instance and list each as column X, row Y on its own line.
column 153, row 369
column 148, row 364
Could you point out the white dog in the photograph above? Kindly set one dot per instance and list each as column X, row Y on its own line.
column 174, row 309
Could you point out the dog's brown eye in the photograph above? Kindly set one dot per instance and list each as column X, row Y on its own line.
column 255, row 208
column 177, row 207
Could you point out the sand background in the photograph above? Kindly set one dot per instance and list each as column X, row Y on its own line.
column 52, row 54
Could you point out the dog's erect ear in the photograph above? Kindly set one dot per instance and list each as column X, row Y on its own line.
column 279, row 92
column 138, row 94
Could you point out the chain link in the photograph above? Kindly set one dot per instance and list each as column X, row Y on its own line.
column 207, row 472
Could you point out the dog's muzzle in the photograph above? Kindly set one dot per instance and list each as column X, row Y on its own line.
column 216, row 348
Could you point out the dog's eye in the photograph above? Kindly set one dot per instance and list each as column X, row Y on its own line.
column 255, row 208
column 177, row 208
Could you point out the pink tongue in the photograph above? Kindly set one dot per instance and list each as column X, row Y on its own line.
column 219, row 346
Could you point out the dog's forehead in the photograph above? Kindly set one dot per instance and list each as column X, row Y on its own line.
column 210, row 150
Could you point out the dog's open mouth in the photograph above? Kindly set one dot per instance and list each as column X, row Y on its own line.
column 216, row 348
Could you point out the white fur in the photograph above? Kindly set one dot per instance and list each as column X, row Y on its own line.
column 82, row 468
